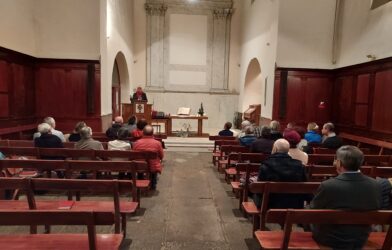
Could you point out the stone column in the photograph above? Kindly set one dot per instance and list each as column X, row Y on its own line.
column 220, row 49
column 155, row 36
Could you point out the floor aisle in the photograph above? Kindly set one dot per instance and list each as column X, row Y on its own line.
column 192, row 209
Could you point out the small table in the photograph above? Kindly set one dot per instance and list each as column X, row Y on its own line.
column 190, row 117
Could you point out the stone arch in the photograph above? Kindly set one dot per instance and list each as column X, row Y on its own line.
column 254, row 87
column 120, row 83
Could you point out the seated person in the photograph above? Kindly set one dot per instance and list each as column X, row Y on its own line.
column 49, row 120
column 111, row 132
column 330, row 140
column 131, row 126
column 264, row 143
column 122, row 142
column 280, row 167
column 275, row 130
column 75, row 136
column 226, row 130
column 86, row 140
column 46, row 139
column 350, row 190
column 248, row 138
column 244, row 125
column 138, row 132
column 312, row 136
column 148, row 143
column 294, row 138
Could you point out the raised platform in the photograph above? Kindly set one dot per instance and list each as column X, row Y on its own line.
column 188, row 144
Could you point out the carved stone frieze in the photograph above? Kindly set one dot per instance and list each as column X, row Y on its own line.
column 222, row 13
column 155, row 9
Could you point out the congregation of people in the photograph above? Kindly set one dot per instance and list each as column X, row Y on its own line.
column 134, row 135
column 287, row 157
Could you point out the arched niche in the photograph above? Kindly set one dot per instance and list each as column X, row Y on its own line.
column 120, row 83
column 254, row 85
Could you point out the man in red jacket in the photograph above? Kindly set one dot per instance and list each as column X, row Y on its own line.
column 148, row 143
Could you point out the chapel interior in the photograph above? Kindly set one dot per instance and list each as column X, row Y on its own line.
column 291, row 61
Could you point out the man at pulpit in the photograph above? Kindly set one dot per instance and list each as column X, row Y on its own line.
column 139, row 95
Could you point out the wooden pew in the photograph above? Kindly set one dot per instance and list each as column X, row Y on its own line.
column 365, row 151
column 364, row 140
column 225, row 151
column 323, row 172
column 59, row 241
column 217, row 154
column 116, row 187
column 287, row 239
column 383, row 172
column 30, row 143
column 231, row 172
column 67, row 153
column 268, row 188
column 369, row 160
column 243, row 190
column 17, row 129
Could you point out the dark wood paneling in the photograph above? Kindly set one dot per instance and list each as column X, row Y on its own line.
column 33, row 88
column 62, row 92
column 305, row 90
column 382, row 111
column 357, row 98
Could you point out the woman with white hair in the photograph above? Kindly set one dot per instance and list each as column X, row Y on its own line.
column 275, row 130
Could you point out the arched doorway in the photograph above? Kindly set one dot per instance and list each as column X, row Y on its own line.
column 253, row 87
column 120, row 84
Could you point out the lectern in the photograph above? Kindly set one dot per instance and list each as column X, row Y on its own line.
column 141, row 109
column 252, row 114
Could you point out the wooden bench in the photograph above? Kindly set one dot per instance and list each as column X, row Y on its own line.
column 120, row 208
column 30, row 143
column 268, row 188
column 217, row 154
column 365, row 151
column 287, row 239
column 243, row 190
column 364, row 140
column 231, row 172
column 383, row 172
column 72, row 166
column 225, row 151
column 59, row 241
column 369, row 160
column 17, row 129
column 322, row 172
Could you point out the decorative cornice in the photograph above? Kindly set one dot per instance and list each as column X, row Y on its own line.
column 155, row 9
column 222, row 13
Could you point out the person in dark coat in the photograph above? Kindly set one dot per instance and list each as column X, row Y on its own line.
column 139, row 95
column 275, row 130
column 350, row 190
column 112, row 132
column 47, row 140
column 330, row 140
column 280, row 167
column 226, row 130
column 75, row 135
column 264, row 143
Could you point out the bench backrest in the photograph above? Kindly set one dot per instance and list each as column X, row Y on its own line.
column 383, row 172
column 365, row 151
column 312, row 216
column 44, row 165
column 248, row 168
column 41, row 217
column 21, row 151
column 267, row 188
column 222, row 138
column 130, row 155
column 67, row 153
column 321, row 159
column 322, row 172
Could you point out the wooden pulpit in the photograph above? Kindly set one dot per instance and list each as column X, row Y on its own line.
column 141, row 109
column 252, row 114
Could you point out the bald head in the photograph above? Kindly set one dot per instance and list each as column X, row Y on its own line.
column 281, row 146
column 118, row 120
column 148, row 130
